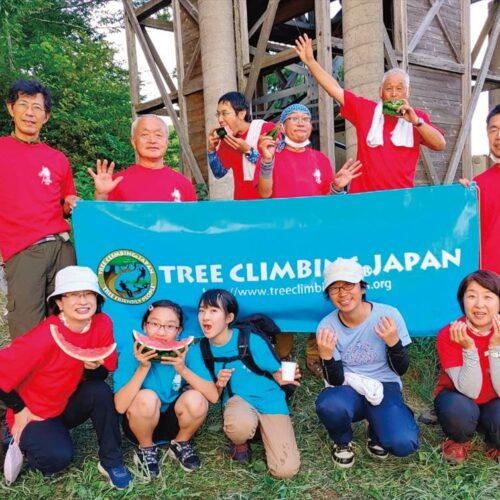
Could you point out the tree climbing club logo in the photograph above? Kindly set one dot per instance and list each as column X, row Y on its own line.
column 127, row 277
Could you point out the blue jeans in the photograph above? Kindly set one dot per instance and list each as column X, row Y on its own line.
column 47, row 444
column 391, row 423
column 460, row 417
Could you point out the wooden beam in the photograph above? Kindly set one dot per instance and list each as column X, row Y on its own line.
column 431, row 13
column 150, row 8
column 492, row 77
column 272, row 6
column 466, row 124
column 448, row 36
column 293, row 8
column 241, row 38
column 484, row 32
column 390, row 55
column 183, row 138
column 466, row 85
column 429, row 167
column 324, row 57
column 190, row 9
column 256, row 26
column 157, row 24
column 429, row 61
column 133, row 72
column 195, row 56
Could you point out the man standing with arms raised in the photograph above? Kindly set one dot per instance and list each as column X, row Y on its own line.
column 36, row 193
column 388, row 146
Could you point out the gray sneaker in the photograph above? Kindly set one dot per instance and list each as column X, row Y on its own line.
column 184, row 453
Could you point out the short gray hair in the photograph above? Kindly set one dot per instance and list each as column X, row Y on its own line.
column 141, row 117
column 397, row 71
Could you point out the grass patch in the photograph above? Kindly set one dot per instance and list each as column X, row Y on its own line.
column 423, row 475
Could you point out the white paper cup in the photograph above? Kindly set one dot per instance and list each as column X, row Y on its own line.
column 288, row 370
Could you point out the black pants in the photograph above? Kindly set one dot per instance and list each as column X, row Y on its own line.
column 460, row 417
column 47, row 444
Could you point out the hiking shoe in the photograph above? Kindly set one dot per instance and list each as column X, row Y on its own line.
column 184, row 453
column 240, row 452
column 146, row 459
column 375, row 450
column 118, row 476
column 314, row 366
column 343, row 455
column 493, row 454
column 455, row 452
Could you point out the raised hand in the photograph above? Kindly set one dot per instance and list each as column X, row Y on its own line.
column 495, row 338
column 348, row 172
column 387, row 331
column 327, row 340
column 303, row 47
column 459, row 335
column 267, row 147
column 103, row 178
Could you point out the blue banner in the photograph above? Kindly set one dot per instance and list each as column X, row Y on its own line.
column 415, row 245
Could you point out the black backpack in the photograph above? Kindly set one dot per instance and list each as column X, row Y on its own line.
column 256, row 324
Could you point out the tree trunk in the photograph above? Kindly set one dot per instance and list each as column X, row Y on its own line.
column 219, row 71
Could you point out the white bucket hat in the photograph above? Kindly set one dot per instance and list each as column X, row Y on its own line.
column 349, row 270
column 75, row 279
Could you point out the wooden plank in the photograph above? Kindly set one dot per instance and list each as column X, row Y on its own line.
column 150, row 8
column 256, row 26
column 241, row 38
column 159, row 25
column 195, row 59
column 491, row 77
column 183, row 138
column 390, row 55
column 484, row 32
column 429, row 61
column 272, row 6
column 447, row 34
column 325, row 102
column 466, row 87
column 133, row 73
column 190, row 9
column 425, row 24
column 464, row 130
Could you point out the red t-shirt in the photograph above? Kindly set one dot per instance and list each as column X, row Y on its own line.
column 387, row 166
column 230, row 158
column 43, row 375
column 489, row 210
column 34, row 178
column 152, row 184
column 451, row 356
column 297, row 174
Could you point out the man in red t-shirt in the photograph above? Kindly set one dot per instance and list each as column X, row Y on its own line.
column 237, row 150
column 388, row 146
column 150, row 179
column 489, row 197
column 37, row 192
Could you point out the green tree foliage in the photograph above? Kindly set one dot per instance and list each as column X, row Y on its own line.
column 53, row 41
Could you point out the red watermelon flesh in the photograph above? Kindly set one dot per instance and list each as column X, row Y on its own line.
column 89, row 354
column 162, row 347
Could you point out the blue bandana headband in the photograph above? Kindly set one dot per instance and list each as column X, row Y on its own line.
column 294, row 108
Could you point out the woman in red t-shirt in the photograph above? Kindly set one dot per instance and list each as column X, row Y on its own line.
column 468, row 389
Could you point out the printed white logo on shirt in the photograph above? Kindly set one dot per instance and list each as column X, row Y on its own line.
column 317, row 176
column 45, row 175
column 176, row 195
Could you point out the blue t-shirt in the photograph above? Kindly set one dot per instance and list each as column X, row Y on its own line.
column 361, row 350
column 263, row 394
column 162, row 379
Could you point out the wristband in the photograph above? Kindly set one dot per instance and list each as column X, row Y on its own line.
column 252, row 156
column 266, row 169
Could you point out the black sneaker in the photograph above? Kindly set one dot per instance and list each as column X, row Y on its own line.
column 146, row 459
column 375, row 450
column 184, row 453
column 343, row 455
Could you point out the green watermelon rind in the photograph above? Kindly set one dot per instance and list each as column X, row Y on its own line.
column 161, row 353
column 389, row 107
column 77, row 352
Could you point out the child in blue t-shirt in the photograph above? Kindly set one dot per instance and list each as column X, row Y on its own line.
column 255, row 401
column 153, row 397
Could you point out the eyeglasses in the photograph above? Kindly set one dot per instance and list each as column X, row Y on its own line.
column 224, row 114
column 35, row 108
column 79, row 295
column 299, row 119
column 158, row 326
column 334, row 290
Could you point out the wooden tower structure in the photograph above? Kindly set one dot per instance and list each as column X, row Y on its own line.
column 224, row 45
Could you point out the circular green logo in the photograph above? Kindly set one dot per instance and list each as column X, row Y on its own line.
column 127, row 277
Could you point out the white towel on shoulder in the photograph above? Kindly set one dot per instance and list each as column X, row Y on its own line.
column 252, row 139
column 371, row 389
column 402, row 135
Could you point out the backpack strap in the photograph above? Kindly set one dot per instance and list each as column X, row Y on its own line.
column 208, row 357
column 245, row 353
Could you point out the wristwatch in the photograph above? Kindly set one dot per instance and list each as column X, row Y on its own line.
column 420, row 122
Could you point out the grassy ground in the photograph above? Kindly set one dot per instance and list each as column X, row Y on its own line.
column 423, row 475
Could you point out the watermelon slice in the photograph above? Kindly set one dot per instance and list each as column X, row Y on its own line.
column 82, row 353
column 164, row 348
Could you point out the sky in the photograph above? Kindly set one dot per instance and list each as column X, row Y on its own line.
column 164, row 41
